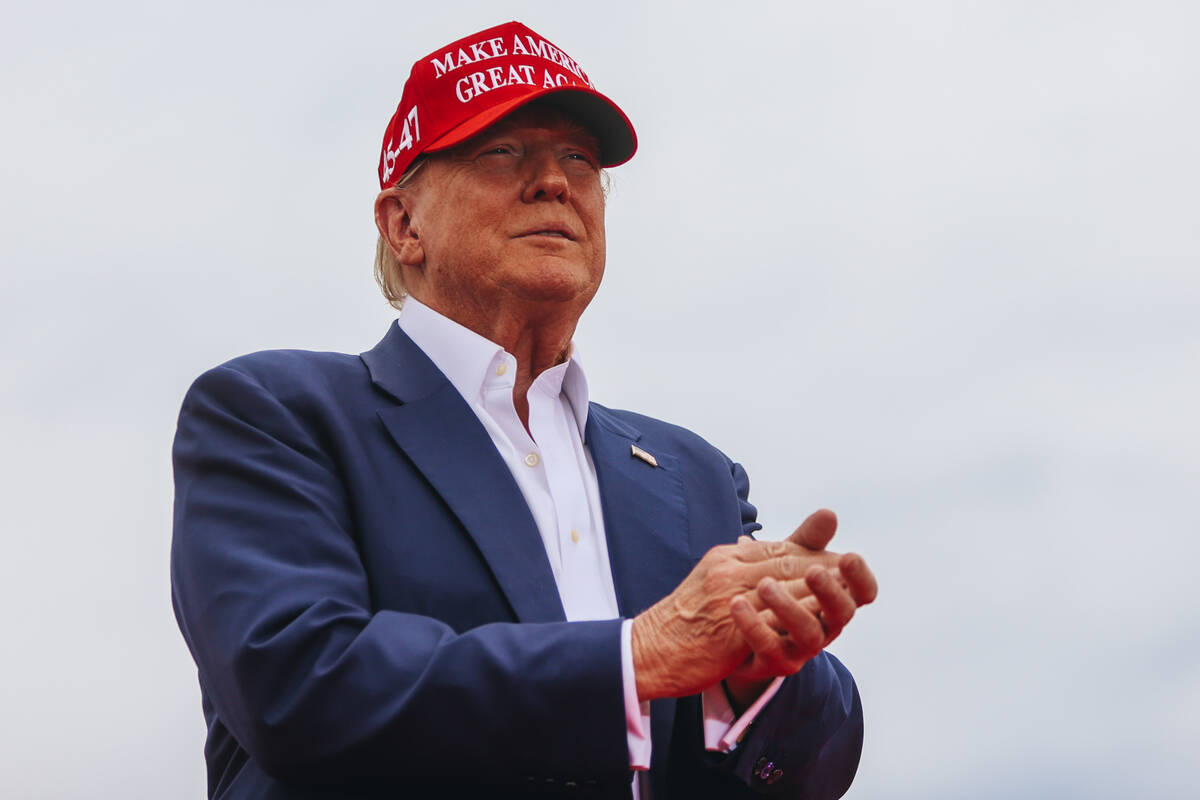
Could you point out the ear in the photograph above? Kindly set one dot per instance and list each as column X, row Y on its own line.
column 393, row 217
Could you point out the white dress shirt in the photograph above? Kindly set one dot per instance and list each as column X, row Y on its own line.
column 556, row 476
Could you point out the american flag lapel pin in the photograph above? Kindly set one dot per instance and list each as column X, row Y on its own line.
column 638, row 452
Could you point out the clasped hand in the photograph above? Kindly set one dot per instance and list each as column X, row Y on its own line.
column 749, row 612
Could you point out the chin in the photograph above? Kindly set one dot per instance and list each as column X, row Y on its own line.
column 556, row 294
column 557, row 286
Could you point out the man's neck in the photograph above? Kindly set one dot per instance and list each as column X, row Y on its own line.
column 538, row 335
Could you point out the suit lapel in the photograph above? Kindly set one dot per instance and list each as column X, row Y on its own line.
column 645, row 522
column 645, row 517
column 440, row 434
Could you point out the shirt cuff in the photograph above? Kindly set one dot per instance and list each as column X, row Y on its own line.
column 637, row 715
column 722, row 732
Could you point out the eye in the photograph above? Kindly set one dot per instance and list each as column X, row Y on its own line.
column 497, row 150
column 580, row 159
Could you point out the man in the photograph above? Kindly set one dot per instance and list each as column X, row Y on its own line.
column 436, row 569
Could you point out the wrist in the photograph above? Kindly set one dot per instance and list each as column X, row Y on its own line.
column 651, row 667
column 742, row 692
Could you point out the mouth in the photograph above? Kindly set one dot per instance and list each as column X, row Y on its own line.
column 555, row 231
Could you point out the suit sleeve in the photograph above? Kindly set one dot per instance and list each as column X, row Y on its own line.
column 805, row 743
column 807, row 740
column 274, row 603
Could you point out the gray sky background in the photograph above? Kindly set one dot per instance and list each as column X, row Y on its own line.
column 931, row 264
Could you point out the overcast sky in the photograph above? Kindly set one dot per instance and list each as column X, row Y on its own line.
column 935, row 265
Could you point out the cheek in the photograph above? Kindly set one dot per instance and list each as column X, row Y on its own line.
column 592, row 212
column 446, row 233
column 601, row 242
column 600, row 237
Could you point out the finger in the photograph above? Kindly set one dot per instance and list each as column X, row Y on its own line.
column 810, row 605
column 802, row 626
column 790, row 568
column 796, row 588
column 783, row 560
column 858, row 578
column 836, row 605
column 816, row 531
column 770, row 649
column 749, row 550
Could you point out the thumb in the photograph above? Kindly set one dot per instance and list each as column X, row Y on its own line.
column 816, row 531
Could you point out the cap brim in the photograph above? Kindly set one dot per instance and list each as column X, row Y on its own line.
column 601, row 116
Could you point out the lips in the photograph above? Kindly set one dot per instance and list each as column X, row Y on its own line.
column 552, row 229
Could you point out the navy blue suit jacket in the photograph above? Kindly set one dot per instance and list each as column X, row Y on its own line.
column 373, row 614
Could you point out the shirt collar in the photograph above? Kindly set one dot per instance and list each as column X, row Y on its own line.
column 469, row 360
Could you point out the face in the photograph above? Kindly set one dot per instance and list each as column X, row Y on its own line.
column 514, row 215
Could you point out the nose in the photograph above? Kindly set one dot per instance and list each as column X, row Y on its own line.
column 546, row 179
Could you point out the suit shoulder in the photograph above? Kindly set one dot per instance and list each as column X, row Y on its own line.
column 294, row 364
column 286, row 373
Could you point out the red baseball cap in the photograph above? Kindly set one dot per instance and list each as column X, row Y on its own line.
column 458, row 90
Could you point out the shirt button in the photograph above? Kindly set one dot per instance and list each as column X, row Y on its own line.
column 531, row 460
column 574, row 536
column 503, row 368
